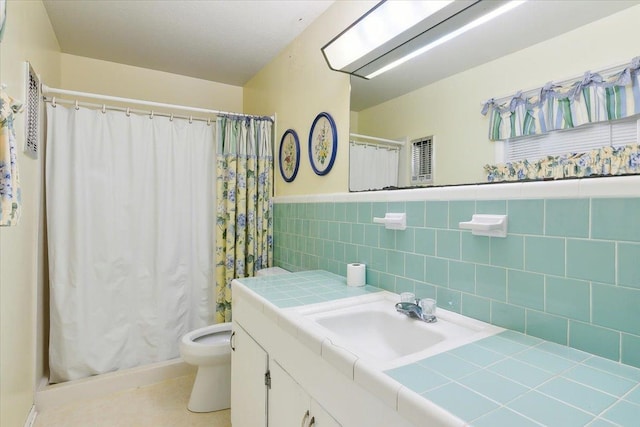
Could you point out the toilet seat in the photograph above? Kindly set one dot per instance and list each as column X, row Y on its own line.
column 207, row 342
column 213, row 339
column 271, row 271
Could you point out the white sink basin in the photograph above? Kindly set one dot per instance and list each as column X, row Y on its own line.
column 371, row 329
column 380, row 333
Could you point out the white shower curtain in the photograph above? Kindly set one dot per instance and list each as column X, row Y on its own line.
column 130, row 228
column 372, row 167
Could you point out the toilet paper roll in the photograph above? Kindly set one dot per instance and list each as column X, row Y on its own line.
column 356, row 274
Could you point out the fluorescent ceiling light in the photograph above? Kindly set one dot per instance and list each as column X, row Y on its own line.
column 380, row 25
column 471, row 25
column 395, row 31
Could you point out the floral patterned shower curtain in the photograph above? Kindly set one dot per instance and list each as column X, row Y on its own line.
column 244, row 183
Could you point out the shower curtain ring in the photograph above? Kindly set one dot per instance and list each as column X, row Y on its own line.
column 53, row 102
column 104, row 108
column 171, row 117
column 190, row 119
column 209, row 121
column 77, row 107
column 128, row 113
column 151, row 115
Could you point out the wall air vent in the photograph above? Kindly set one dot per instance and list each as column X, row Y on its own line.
column 422, row 161
column 32, row 112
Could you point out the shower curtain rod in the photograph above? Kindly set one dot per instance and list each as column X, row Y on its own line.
column 126, row 110
column 46, row 90
column 385, row 141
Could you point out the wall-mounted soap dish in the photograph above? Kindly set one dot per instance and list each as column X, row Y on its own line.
column 393, row 221
column 486, row 225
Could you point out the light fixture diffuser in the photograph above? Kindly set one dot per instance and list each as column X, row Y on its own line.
column 396, row 31
column 380, row 25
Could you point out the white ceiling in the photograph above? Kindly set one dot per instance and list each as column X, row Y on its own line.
column 222, row 41
column 229, row 41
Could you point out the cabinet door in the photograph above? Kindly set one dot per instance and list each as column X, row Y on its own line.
column 321, row 417
column 249, row 363
column 288, row 402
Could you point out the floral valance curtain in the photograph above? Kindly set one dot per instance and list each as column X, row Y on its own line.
column 593, row 99
column 244, row 216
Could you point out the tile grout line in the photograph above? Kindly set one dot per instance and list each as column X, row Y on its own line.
column 530, row 389
column 560, row 375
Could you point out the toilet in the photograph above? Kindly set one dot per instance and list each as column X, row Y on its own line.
column 208, row 349
column 270, row 271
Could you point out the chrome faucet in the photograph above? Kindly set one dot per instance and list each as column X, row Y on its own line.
column 414, row 310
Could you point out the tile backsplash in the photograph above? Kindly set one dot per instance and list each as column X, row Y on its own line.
column 568, row 271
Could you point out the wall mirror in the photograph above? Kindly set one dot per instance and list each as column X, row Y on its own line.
column 429, row 107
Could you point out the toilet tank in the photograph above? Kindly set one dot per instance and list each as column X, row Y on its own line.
column 271, row 271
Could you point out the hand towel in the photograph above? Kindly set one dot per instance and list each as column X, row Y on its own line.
column 10, row 197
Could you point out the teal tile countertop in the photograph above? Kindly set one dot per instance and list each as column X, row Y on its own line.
column 512, row 379
column 306, row 287
column 507, row 380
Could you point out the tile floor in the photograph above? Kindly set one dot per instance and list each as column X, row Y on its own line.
column 158, row 405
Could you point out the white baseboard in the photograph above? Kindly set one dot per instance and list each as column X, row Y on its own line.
column 31, row 418
column 52, row 396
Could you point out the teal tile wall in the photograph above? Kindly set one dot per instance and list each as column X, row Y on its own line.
column 568, row 272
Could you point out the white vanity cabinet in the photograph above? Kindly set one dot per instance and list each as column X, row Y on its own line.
column 322, row 416
column 291, row 406
column 249, row 364
column 301, row 379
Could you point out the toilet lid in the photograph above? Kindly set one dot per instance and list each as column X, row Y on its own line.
column 214, row 338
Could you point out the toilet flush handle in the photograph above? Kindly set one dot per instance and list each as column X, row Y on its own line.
column 231, row 342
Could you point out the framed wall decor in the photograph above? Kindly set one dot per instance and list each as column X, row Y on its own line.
column 289, row 155
column 323, row 143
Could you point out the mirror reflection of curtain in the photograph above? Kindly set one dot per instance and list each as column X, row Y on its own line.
column 244, row 214
column 130, row 234
column 597, row 97
column 372, row 167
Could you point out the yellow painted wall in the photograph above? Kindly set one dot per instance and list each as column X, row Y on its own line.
column 297, row 85
column 450, row 109
column 23, row 298
column 28, row 36
column 109, row 78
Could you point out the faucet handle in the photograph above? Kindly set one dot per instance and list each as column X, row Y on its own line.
column 428, row 306
column 408, row 297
